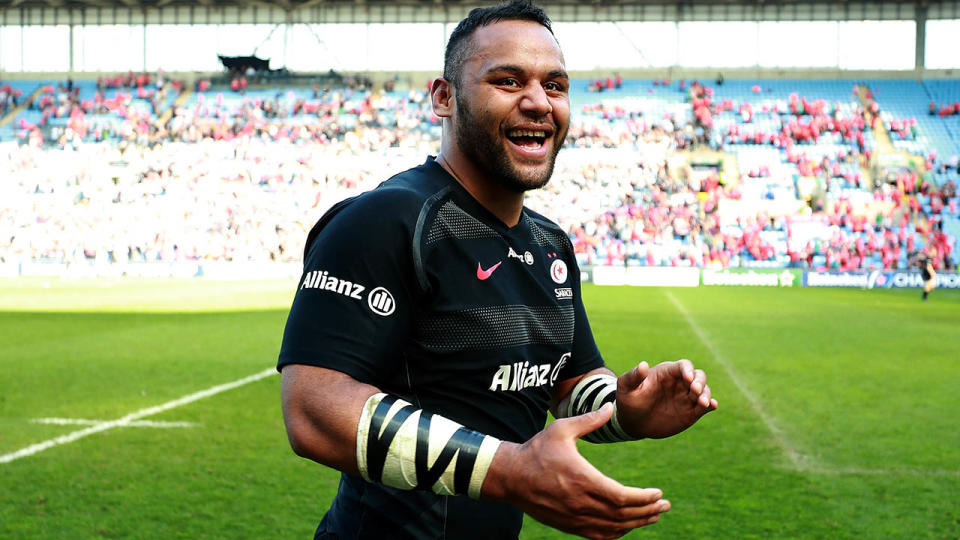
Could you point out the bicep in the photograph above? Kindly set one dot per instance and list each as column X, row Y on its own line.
column 321, row 410
column 350, row 316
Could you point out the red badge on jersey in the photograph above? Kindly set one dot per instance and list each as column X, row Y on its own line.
column 558, row 271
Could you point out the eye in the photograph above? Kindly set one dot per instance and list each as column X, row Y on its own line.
column 508, row 82
column 554, row 87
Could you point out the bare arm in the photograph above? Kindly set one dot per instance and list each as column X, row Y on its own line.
column 321, row 409
column 652, row 402
column 545, row 477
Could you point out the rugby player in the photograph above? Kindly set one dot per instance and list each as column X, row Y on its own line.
column 438, row 320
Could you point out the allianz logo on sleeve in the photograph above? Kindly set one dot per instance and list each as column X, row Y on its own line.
column 379, row 300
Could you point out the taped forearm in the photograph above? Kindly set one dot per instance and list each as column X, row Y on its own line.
column 591, row 393
column 405, row 447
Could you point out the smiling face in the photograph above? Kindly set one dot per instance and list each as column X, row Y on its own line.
column 512, row 105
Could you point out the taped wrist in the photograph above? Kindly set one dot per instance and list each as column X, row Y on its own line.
column 590, row 394
column 401, row 446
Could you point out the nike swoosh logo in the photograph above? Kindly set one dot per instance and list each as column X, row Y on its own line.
column 484, row 274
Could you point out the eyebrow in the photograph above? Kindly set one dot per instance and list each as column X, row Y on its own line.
column 517, row 70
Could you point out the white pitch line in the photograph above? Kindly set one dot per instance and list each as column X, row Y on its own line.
column 89, row 422
column 137, row 415
column 796, row 459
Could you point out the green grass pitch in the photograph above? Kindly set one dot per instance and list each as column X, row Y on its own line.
column 838, row 412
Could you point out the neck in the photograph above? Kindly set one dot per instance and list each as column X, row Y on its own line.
column 503, row 203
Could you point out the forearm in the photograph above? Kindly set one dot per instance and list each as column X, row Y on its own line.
column 403, row 446
column 353, row 427
column 503, row 474
column 350, row 426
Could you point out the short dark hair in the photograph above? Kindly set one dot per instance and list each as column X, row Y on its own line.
column 458, row 46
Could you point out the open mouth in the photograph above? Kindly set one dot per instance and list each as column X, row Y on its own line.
column 527, row 138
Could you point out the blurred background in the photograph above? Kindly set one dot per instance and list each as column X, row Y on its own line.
column 819, row 136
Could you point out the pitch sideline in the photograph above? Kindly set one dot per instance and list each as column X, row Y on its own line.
column 134, row 416
column 798, row 461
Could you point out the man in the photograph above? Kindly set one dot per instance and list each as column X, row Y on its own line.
column 928, row 274
column 438, row 320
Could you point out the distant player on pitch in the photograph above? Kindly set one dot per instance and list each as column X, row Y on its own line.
column 438, row 319
column 929, row 275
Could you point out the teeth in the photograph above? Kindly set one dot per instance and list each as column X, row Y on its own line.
column 527, row 133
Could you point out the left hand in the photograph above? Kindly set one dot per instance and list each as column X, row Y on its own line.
column 663, row 400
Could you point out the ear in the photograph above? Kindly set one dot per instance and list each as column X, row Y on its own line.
column 441, row 95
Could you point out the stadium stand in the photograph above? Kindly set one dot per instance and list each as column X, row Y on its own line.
column 754, row 173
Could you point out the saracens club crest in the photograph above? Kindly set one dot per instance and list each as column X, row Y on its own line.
column 558, row 271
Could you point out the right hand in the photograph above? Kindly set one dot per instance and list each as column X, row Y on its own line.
column 549, row 480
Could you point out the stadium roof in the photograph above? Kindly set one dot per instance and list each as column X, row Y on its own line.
column 49, row 12
column 299, row 4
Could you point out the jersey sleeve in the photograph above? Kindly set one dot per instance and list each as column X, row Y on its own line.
column 353, row 306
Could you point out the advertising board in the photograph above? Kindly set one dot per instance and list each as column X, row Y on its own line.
column 783, row 277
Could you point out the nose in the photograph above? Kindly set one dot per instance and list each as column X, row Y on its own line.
column 535, row 101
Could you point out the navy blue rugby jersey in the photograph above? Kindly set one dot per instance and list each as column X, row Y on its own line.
column 417, row 289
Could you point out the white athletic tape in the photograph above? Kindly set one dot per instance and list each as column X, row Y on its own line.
column 392, row 449
column 590, row 394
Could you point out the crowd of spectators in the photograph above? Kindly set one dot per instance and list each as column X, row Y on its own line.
column 240, row 200
column 945, row 109
column 10, row 98
column 651, row 218
column 614, row 82
column 121, row 108
column 242, row 178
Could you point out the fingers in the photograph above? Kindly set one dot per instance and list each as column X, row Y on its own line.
column 578, row 426
column 632, row 517
column 628, row 514
column 699, row 381
column 633, row 378
column 625, row 508
column 606, row 528
column 699, row 388
column 695, row 380
column 604, row 531
column 700, row 391
column 686, row 369
column 704, row 399
column 632, row 502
